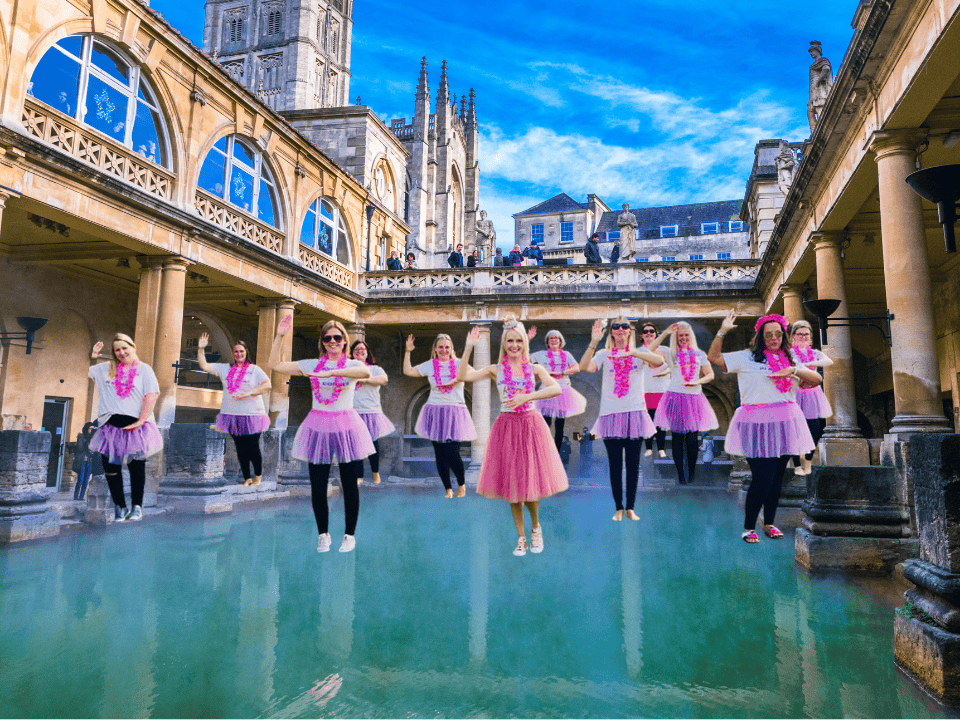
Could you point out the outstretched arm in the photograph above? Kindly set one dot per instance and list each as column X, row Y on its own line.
column 715, row 356
column 274, row 364
column 95, row 354
column 202, row 356
column 408, row 369
column 465, row 373
column 596, row 335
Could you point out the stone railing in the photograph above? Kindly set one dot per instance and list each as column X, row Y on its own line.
column 325, row 266
column 235, row 221
column 86, row 144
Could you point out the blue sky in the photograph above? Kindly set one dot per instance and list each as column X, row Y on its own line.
column 652, row 102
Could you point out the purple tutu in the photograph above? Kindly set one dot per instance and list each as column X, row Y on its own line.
column 441, row 423
column 332, row 436
column 120, row 446
column 633, row 424
column 377, row 424
column 685, row 412
column 813, row 403
column 242, row 424
column 567, row 404
column 521, row 463
column 770, row 430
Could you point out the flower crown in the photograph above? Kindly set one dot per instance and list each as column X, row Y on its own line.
column 783, row 321
column 511, row 324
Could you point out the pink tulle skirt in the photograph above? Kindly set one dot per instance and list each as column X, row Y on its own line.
column 377, row 424
column 633, row 424
column 769, row 430
column 652, row 400
column 332, row 436
column 120, row 446
column 521, row 463
column 242, row 424
column 441, row 423
column 567, row 404
column 683, row 413
column 813, row 403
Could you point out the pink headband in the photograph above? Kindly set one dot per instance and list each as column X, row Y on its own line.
column 780, row 319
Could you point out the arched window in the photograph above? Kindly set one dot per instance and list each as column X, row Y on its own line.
column 83, row 77
column 235, row 29
column 234, row 171
column 323, row 229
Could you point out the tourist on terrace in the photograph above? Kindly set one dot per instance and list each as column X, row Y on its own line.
column 332, row 431
column 474, row 259
column 411, row 262
column 591, row 251
column 127, row 390
column 615, row 251
column 366, row 401
column 516, row 257
column 684, row 409
column 768, row 427
column 444, row 419
column 242, row 413
column 498, row 259
column 561, row 365
column 621, row 423
column 393, row 263
column 521, row 465
column 534, row 253
column 455, row 259
column 655, row 381
column 813, row 403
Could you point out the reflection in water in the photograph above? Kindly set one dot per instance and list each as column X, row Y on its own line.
column 632, row 599
column 479, row 589
column 337, row 580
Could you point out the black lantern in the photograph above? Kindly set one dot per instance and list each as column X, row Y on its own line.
column 940, row 185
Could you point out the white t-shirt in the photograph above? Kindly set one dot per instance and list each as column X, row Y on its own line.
column 676, row 377
column 516, row 385
column 543, row 358
column 817, row 356
column 651, row 383
column 633, row 400
column 756, row 385
column 366, row 397
column 327, row 385
column 448, row 371
column 110, row 403
column 252, row 379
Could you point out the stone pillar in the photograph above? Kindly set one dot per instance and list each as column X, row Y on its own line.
column 357, row 331
column 193, row 481
column 148, row 307
column 842, row 443
column 792, row 302
column 916, row 372
column 481, row 400
column 271, row 313
column 25, row 513
column 169, row 333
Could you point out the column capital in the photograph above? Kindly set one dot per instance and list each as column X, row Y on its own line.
column 792, row 289
column 151, row 261
column 825, row 238
column 277, row 303
column 884, row 143
column 177, row 262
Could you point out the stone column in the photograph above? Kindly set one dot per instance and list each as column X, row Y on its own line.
column 481, row 399
column 842, row 443
column 272, row 311
column 792, row 301
column 168, row 338
column 25, row 513
column 148, row 307
column 916, row 372
column 357, row 331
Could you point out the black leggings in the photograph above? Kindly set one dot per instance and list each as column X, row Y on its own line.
column 620, row 450
column 448, row 458
column 138, row 479
column 764, row 489
column 374, row 460
column 319, row 475
column 248, row 452
column 661, row 435
column 685, row 444
column 816, row 427
column 558, row 424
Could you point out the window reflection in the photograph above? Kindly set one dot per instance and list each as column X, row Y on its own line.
column 323, row 228
column 250, row 187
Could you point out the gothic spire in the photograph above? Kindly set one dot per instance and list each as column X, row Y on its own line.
column 423, row 86
column 443, row 93
column 471, row 120
column 463, row 107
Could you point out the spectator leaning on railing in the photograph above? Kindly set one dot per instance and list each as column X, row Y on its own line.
column 534, row 253
column 591, row 251
column 411, row 262
column 498, row 259
column 393, row 263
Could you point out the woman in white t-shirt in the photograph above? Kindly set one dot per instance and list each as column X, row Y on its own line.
column 127, row 391
column 623, row 422
column 655, row 381
column 332, row 431
column 768, row 427
column 444, row 419
column 561, row 365
column 684, row 410
column 813, row 403
column 366, row 401
column 242, row 413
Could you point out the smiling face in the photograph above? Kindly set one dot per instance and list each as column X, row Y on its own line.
column 513, row 341
column 553, row 342
column 124, row 352
column 444, row 349
column 239, row 354
column 333, row 342
column 772, row 334
column 802, row 337
column 360, row 353
column 683, row 338
column 620, row 334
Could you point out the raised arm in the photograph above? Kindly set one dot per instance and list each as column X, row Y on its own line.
column 658, row 341
column 408, row 369
column 274, row 364
column 202, row 356
column 715, row 356
column 465, row 373
column 95, row 354
column 596, row 335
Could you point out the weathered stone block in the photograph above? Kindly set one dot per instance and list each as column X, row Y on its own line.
column 25, row 513
column 930, row 655
column 24, row 457
column 854, row 501
column 846, row 452
column 194, row 481
column 292, row 475
column 935, row 468
column 851, row 554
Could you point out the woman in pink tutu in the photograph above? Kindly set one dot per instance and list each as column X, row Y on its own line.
column 623, row 422
column 561, row 365
column 768, row 427
column 521, row 465
column 366, row 401
column 444, row 419
column 332, row 431
column 813, row 403
column 242, row 413
column 127, row 391
column 684, row 410
column 655, row 381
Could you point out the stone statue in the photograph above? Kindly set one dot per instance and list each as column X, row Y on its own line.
column 486, row 235
column 786, row 165
column 628, row 233
column 821, row 80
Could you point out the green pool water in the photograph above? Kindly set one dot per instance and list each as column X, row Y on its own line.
column 433, row 616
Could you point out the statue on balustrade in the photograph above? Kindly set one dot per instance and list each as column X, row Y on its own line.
column 486, row 235
column 786, row 166
column 628, row 233
column 821, row 80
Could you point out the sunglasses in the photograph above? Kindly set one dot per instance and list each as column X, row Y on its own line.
column 332, row 338
column 648, row 331
column 620, row 326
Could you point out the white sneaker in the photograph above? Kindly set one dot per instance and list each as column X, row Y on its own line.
column 521, row 548
column 323, row 544
column 135, row 514
column 348, row 544
column 119, row 513
column 536, row 540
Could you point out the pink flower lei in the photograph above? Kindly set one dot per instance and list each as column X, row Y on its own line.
column 621, row 373
column 508, row 383
column 805, row 355
column 235, row 377
column 557, row 372
column 689, row 364
column 124, row 385
column 778, row 361
column 451, row 371
column 339, row 383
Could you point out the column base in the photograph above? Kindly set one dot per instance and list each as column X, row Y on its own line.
column 841, row 431
column 25, row 514
column 906, row 424
column 738, row 472
column 848, row 451
column 851, row 554
column 929, row 655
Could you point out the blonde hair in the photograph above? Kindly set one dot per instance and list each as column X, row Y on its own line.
column 682, row 325
column 511, row 324
column 555, row 333
column 323, row 331
column 433, row 350
column 631, row 338
column 113, row 354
